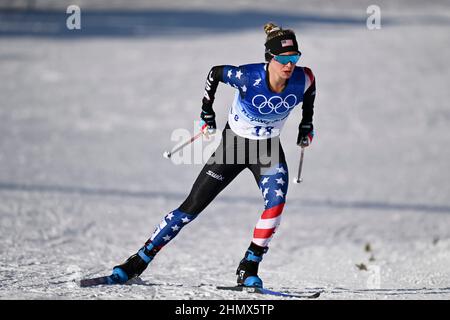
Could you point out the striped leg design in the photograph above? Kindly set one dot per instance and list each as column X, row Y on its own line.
column 273, row 185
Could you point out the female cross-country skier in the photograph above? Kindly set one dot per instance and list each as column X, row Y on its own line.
column 266, row 93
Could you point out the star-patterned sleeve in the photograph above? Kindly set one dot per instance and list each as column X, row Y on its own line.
column 234, row 76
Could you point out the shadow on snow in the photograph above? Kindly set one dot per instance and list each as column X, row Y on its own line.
column 109, row 192
column 160, row 22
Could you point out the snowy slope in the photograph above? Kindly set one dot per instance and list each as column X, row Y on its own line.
column 85, row 118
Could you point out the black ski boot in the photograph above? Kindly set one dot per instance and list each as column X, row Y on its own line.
column 132, row 267
column 247, row 270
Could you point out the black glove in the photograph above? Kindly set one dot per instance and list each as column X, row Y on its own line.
column 305, row 134
column 209, row 118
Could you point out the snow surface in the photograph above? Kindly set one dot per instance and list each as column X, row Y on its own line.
column 85, row 117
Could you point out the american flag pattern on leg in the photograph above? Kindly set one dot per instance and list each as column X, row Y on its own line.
column 168, row 228
column 274, row 186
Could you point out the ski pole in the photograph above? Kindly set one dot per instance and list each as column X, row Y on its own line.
column 168, row 154
column 298, row 179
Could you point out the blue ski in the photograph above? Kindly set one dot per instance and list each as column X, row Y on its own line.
column 271, row 292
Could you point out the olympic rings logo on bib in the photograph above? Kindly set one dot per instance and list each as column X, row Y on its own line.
column 275, row 104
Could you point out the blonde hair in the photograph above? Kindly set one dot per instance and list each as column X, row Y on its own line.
column 272, row 31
